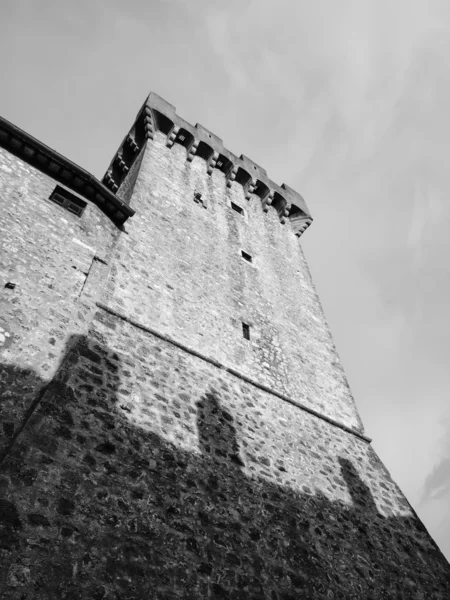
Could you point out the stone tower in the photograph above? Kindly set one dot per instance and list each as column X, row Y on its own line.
column 175, row 419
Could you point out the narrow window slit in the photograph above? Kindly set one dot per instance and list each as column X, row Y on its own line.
column 237, row 208
column 246, row 331
column 198, row 198
column 246, row 256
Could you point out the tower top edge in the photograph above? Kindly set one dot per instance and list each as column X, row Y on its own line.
column 154, row 102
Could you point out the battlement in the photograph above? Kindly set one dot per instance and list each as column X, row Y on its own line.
column 158, row 115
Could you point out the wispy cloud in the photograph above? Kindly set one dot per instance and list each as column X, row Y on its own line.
column 437, row 484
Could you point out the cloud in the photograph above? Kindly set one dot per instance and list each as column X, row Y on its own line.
column 437, row 484
column 435, row 497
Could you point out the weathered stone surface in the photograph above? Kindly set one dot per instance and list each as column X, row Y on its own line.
column 189, row 280
column 47, row 253
column 174, row 479
column 132, row 467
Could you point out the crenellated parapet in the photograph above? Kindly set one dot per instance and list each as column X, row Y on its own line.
column 159, row 115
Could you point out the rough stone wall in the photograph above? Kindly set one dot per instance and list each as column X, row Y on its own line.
column 145, row 471
column 53, row 258
column 180, row 270
column 148, row 473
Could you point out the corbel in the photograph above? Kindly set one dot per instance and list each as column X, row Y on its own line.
column 132, row 144
column 148, row 123
column 192, row 150
column 109, row 180
column 284, row 213
column 299, row 225
column 212, row 163
column 121, row 163
column 172, row 136
column 231, row 175
column 267, row 201
column 251, row 186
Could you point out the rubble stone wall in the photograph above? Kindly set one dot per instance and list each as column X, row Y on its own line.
column 181, row 270
column 51, row 263
column 139, row 460
column 147, row 472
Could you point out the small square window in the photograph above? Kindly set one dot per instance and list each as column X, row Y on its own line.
column 219, row 164
column 246, row 331
column 246, row 256
column 237, row 208
column 68, row 201
column 181, row 138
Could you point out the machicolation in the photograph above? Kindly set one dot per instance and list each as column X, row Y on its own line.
column 159, row 115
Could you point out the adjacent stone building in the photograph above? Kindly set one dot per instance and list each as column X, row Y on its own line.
column 175, row 421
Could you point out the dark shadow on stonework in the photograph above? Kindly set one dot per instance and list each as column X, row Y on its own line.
column 359, row 491
column 216, row 431
column 18, row 389
column 94, row 507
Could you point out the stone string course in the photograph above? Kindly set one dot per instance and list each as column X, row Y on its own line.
column 144, row 473
column 189, row 281
column 232, row 371
column 132, row 467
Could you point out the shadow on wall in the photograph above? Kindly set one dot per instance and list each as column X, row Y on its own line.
column 93, row 507
column 19, row 391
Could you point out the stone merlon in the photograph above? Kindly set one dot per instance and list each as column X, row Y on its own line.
column 158, row 115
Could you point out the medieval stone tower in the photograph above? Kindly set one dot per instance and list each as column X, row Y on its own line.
column 175, row 421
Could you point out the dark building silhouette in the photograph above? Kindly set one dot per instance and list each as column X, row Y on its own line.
column 175, row 421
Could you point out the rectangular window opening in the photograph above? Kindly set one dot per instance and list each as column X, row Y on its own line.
column 237, row 208
column 68, row 201
column 246, row 256
column 57, row 198
column 246, row 331
column 73, row 208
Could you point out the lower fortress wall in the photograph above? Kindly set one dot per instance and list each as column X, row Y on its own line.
column 147, row 472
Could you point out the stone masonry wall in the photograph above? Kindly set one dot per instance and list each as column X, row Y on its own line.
column 53, row 258
column 134, row 468
column 180, row 270
column 147, row 472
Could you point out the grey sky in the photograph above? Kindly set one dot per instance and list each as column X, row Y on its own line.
column 347, row 102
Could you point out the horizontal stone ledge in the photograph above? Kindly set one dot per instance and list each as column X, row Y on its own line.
column 232, row 371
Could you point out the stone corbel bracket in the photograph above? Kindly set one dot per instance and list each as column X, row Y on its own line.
column 159, row 115
column 295, row 210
